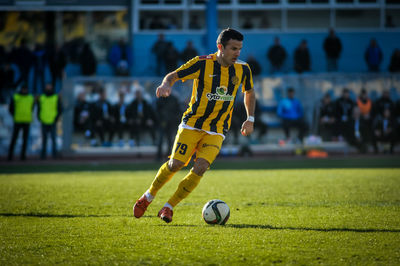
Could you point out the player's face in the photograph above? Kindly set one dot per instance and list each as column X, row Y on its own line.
column 231, row 51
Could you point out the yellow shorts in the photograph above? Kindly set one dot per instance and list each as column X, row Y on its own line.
column 188, row 142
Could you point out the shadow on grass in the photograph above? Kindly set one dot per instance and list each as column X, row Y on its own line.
column 50, row 215
column 178, row 225
column 356, row 230
column 270, row 227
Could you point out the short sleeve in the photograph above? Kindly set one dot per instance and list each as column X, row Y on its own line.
column 189, row 70
column 247, row 80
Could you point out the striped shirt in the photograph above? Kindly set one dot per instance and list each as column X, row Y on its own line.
column 214, row 91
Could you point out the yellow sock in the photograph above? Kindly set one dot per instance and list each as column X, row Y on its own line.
column 162, row 177
column 187, row 185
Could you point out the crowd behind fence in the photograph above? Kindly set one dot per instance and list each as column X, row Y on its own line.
column 124, row 112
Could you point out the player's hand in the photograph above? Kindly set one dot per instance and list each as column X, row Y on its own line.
column 247, row 128
column 163, row 90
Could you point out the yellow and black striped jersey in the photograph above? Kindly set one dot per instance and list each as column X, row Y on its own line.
column 214, row 91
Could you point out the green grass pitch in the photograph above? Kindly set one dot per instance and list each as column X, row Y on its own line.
column 278, row 216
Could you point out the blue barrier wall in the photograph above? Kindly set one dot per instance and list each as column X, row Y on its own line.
column 257, row 44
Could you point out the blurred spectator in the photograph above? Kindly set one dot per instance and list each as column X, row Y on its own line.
column 290, row 110
column 23, row 58
column 119, row 112
column 169, row 114
column 326, row 121
column 141, row 118
column 39, row 67
column 344, row 110
column 194, row 23
column 358, row 132
column 389, row 22
column 49, row 111
column 88, row 61
column 276, row 55
column 171, row 57
column 120, row 58
column 6, row 82
column 373, row 56
column 332, row 47
column 382, row 104
column 102, row 119
column 82, row 121
column 189, row 52
column 73, row 49
column 302, row 60
column 395, row 61
column 159, row 48
column 156, row 23
column 384, row 131
column 254, row 66
column 248, row 23
column 364, row 103
column 57, row 63
column 21, row 109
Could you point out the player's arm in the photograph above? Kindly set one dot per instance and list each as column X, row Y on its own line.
column 250, row 105
column 164, row 90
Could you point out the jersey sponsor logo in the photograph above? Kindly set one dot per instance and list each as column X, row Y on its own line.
column 221, row 95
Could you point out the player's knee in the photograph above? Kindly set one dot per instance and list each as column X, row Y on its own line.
column 175, row 165
column 200, row 167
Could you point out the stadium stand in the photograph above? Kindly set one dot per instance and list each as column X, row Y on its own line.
column 103, row 22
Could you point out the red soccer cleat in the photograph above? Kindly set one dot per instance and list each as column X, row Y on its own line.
column 166, row 214
column 140, row 206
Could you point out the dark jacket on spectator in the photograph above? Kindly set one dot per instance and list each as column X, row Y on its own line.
column 302, row 61
column 88, row 61
column 135, row 116
column 277, row 55
column 57, row 61
column 332, row 47
column 381, row 104
column 171, row 58
column 82, row 119
column 188, row 54
column 344, row 108
column 254, row 66
column 395, row 61
column 373, row 57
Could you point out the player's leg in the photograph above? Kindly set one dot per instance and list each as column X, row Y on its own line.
column 207, row 150
column 190, row 182
column 183, row 149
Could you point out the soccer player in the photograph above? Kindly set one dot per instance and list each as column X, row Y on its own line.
column 217, row 78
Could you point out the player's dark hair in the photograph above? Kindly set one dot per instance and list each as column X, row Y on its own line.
column 228, row 34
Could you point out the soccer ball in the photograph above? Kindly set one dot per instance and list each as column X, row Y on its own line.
column 216, row 212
